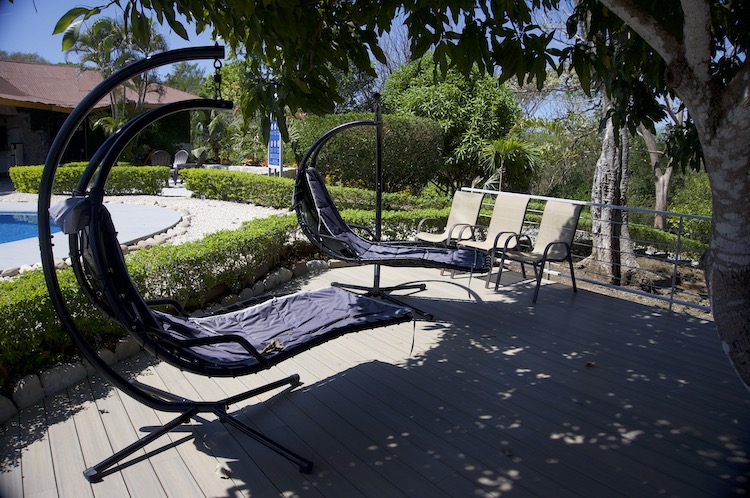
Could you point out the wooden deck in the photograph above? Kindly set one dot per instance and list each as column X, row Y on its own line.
column 581, row 396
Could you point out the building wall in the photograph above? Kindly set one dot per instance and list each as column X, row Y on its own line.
column 22, row 143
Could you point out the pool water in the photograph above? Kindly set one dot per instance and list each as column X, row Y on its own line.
column 19, row 226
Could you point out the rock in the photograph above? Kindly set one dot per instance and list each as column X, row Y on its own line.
column 62, row 376
column 7, row 409
column 28, row 391
column 299, row 269
column 125, row 348
column 247, row 293
column 258, row 288
column 106, row 355
column 285, row 274
column 10, row 272
column 317, row 265
column 271, row 281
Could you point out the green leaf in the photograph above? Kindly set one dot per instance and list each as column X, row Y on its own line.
column 70, row 37
column 67, row 19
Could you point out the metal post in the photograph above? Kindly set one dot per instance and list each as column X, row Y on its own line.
column 378, row 182
column 676, row 262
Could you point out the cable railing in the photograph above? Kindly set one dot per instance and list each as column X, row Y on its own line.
column 658, row 264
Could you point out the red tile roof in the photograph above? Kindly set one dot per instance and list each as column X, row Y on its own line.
column 61, row 87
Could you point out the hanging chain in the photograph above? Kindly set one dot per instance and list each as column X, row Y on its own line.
column 217, row 79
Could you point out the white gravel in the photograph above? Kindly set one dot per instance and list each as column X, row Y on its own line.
column 204, row 215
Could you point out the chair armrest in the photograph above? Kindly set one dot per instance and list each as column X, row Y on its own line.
column 455, row 227
column 464, row 228
column 364, row 228
column 519, row 238
column 168, row 302
column 422, row 221
column 551, row 245
column 208, row 341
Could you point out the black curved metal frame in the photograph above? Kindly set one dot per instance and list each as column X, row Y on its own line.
column 100, row 166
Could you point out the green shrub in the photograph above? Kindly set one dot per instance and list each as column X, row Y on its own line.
column 31, row 337
column 122, row 180
column 395, row 225
column 229, row 259
column 269, row 191
column 276, row 192
column 412, row 151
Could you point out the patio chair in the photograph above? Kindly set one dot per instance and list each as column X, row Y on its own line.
column 180, row 159
column 160, row 158
column 506, row 221
column 553, row 243
column 464, row 213
column 239, row 342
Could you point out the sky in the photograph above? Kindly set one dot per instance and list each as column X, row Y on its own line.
column 27, row 25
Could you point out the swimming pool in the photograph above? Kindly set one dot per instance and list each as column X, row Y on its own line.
column 19, row 226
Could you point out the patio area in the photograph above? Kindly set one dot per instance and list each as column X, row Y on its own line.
column 582, row 395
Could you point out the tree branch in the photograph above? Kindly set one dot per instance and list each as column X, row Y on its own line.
column 697, row 37
column 643, row 23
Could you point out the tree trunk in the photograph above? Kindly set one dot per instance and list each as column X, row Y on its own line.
column 662, row 177
column 612, row 253
column 727, row 262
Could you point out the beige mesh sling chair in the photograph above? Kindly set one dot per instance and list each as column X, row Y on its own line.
column 464, row 212
column 506, row 221
column 553, row 243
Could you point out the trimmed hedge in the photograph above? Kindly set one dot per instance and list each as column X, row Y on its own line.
column 269, row 191
column 228, row 260
column 276, row 192
column 412, row 151
column 31, row 338
column 122, row 180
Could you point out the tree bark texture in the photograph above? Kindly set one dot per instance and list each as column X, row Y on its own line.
column 612, row 253
column 662, row 177
column 721, row 111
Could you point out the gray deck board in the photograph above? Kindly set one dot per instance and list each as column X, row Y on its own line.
column 582, row 395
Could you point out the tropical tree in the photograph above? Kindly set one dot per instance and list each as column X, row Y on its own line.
column 510, row 161
column 695, row 49
column 471, row 109
column 186, row 76
column 22, row 57
column 108, row 45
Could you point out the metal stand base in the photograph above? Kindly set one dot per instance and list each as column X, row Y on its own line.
column 110, row 465
column 384, row 294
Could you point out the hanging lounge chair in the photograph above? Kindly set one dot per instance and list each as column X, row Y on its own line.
column 322, row 223
column 241, row 342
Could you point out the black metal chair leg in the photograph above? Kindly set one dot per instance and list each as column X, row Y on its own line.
column 95, row 473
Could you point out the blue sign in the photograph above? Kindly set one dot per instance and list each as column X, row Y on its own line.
column 275, row 155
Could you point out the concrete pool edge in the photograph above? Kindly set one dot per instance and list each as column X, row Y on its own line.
column 134, row 223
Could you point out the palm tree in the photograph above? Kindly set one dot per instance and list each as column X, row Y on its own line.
column 106, row 46
column 510, row 161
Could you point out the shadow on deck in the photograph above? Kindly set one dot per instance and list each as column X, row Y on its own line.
column 580, row 395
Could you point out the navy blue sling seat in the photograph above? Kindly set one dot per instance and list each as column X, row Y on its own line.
column 322, row 223
column 239, row 342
